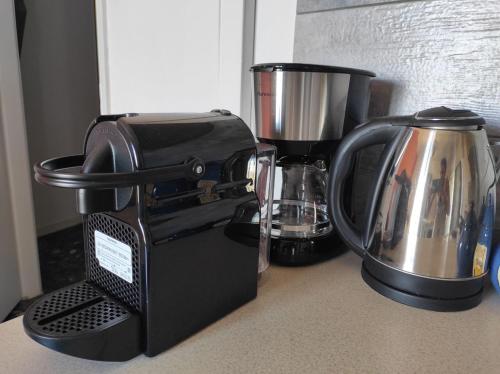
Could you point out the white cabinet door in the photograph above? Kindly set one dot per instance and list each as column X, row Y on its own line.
column 170, row 56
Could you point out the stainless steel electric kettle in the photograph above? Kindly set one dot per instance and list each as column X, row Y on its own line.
column 429, row 220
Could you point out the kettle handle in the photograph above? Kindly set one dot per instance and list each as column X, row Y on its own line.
column 384, row 130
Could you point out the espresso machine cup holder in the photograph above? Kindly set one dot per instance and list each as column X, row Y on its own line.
column 83, row 321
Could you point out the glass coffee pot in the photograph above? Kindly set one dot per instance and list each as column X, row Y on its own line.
column 300, row 210
column 300, row 223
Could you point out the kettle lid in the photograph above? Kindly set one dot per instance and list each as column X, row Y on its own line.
column 445, row 118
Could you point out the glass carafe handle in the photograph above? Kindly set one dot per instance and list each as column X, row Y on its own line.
column 264, row 184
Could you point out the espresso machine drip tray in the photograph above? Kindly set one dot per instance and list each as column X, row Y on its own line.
column 81, row 320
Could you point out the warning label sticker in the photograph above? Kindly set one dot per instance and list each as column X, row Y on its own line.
column 113, row 255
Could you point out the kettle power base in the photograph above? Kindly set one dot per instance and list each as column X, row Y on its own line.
column 433, row 294
column 81, row 320
column 439, row 305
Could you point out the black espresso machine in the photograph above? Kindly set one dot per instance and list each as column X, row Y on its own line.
column 158, row 194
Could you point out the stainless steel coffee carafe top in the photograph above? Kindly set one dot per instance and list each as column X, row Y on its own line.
column 433, row 201
column 303, row 102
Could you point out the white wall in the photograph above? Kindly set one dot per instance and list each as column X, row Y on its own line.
column 274, row 30
column 170, row 56
column 59, row 73
column 19, row 268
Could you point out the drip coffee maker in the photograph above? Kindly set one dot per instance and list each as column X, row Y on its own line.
column 305, row 110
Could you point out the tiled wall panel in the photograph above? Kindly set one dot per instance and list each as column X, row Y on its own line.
column 425, row 53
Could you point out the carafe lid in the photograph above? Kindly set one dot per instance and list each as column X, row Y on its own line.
column 308, row 68
column 446, row 118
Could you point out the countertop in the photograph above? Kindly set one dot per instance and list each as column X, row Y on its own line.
column 316, row 319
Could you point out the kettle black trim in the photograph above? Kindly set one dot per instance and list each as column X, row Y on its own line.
column 426, row 293
column 446, row 118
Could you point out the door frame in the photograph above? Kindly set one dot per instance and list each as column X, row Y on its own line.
column 15, row 148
